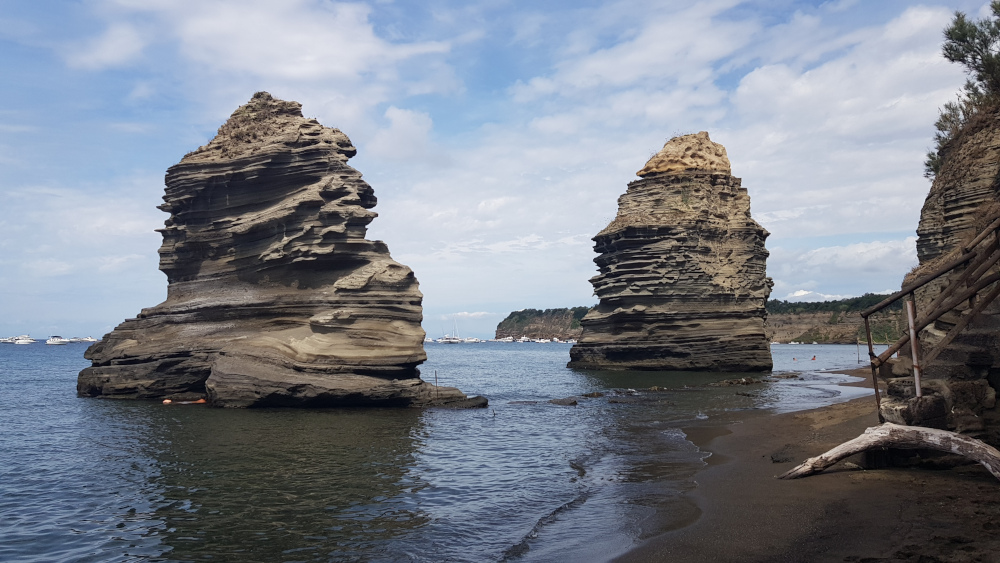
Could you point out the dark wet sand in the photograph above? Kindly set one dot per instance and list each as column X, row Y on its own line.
column 893, row 514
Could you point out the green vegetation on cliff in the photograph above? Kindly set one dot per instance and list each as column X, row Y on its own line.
column 975, row 44
column 833, row 321
column 815, row 321
column 561, row 323
column 778, row 307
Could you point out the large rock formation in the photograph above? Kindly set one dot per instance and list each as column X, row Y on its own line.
column 275, row 297
column 960, row 386
column 682, row 283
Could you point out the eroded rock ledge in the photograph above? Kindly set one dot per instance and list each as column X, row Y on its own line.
column 682, row 282
column 274, row 297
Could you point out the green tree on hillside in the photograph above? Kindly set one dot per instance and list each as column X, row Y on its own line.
column 975, row 44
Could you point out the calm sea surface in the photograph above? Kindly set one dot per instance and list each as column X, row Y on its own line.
column 524, row 480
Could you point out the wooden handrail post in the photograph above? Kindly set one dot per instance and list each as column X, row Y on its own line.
column 871, row 358
column 911, row 316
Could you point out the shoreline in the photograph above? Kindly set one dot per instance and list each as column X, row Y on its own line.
column 893, row 514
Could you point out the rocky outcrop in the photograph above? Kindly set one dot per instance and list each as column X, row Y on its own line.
column 274, row 297
column 960, row 386
column 964, row 195
column 682, row 282
column 563, row 323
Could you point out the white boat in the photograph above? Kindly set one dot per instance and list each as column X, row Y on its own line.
column 24, row 339
column 571, row 341
column 57, row 340
column 84, row 339
column 523, row 339
column 451, row 339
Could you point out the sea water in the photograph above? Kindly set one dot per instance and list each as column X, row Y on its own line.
column 522, row 480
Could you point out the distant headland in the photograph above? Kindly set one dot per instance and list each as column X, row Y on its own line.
column 825, row 322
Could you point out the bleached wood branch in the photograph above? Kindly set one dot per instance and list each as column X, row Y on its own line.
column 890, row 435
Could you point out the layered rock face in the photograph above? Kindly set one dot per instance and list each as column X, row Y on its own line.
column 682, row 282
column 275, row 297
column 960, row 386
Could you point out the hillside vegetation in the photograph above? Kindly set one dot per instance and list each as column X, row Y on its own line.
column 543, row 323
column 819, row 321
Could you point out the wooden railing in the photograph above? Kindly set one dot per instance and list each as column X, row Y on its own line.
column 978, row 257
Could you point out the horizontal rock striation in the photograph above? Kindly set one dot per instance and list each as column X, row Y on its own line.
column 682, row 282
column 965, row 194
column 959, row 388
column 274, row 297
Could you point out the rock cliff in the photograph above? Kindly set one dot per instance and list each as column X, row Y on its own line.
column 274, row 297
column 960, row 386
column 682, row 282
column 563, row 323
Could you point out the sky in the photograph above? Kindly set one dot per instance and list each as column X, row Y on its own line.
column 497, row 134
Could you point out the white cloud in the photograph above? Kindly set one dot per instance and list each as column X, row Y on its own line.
column 325, row 54
column 121, row 43
column 406, row 138
column 467, row 315
column 858, row 268
column 296, row 40
column 804, row 295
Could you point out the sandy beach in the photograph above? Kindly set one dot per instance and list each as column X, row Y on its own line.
column 843, row 514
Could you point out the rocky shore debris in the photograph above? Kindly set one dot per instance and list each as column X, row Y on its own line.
column 682, row 282
column 275, row 297
column 738, row 381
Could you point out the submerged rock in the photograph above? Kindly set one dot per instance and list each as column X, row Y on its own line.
column 274, row 296
column 682, row 282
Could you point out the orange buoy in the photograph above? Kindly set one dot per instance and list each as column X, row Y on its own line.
column 814, row 357
column 167, row 401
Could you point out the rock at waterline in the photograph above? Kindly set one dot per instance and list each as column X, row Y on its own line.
column 682, row 282
column 274, row 297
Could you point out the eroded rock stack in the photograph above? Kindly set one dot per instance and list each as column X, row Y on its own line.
column 275, row 297
column 682, row 282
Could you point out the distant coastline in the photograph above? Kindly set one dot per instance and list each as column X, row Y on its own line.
column 823, row 322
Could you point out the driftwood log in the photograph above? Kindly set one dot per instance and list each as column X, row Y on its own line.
column 890, row 435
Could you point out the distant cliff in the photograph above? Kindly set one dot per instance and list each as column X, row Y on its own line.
column 827, row 322
column 832, row 322
column 548, row 323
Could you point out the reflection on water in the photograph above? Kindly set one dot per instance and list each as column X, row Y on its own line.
column 526, row 480
column 274, row 485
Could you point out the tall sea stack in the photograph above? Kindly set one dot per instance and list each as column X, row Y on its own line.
column 682, row 282
column 274, row 297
